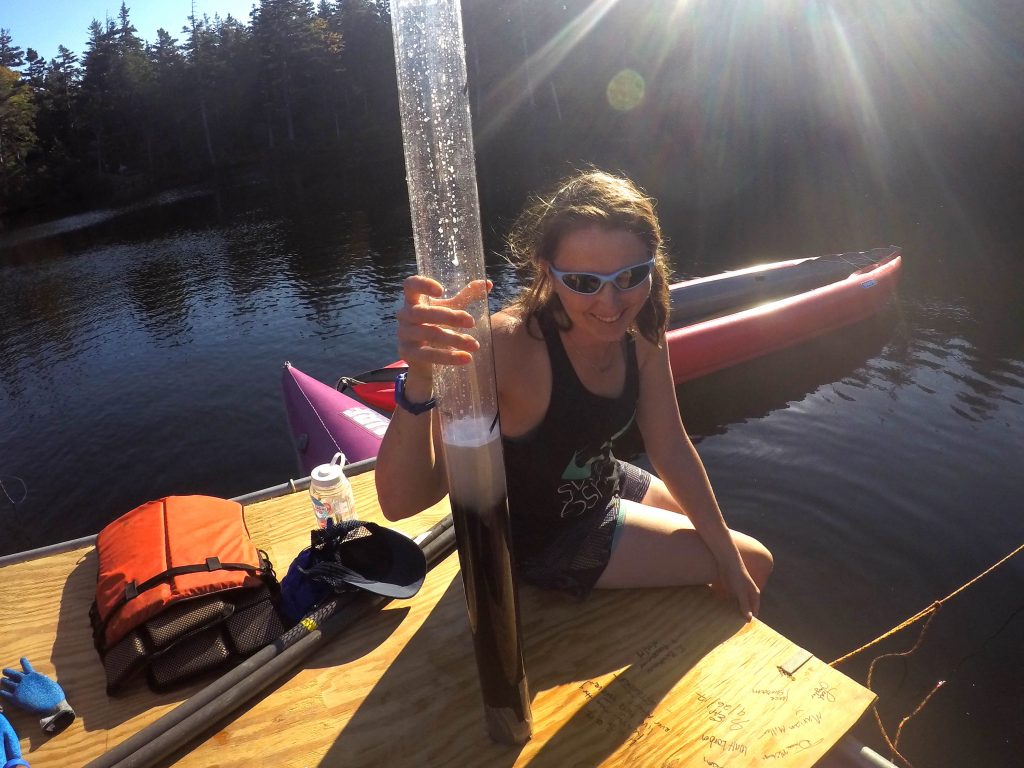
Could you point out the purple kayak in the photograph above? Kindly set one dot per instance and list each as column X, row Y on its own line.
column 324, row 421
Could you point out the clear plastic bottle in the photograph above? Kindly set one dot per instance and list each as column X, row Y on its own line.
column 331, row 492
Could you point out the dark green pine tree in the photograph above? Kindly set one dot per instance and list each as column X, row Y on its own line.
column 199, row 51
column 371, row 88
column 17, row 132
column 36, row 73
column 64, row 81
column 97, row 91
column 328, row 65
column 167, row 101
column 235, row 83
column 11, row 56
column 283, row 32
column 57, row 126
column 35, row 77
column 131, row 137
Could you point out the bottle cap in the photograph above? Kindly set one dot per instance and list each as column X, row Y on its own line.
column 327, row 476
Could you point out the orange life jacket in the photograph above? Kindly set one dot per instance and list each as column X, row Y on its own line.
column 166, row 551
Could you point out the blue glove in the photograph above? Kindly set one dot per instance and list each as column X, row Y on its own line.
column 38, row 694
column 10, row 747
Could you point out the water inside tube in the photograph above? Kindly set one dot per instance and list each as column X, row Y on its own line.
column 475, row 464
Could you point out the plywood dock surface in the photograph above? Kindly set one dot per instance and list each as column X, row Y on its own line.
column 665, row 677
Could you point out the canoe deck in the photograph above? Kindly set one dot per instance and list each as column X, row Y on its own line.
column 662, row 677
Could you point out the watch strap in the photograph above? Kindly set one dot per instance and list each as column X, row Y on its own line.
column 402, row 402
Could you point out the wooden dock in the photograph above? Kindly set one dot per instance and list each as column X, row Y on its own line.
column 663, row 677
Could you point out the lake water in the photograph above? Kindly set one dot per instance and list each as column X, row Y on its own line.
column 141, row 352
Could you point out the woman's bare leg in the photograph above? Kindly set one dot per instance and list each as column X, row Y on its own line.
column 657, row 546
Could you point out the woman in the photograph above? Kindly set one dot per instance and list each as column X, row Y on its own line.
column 579, row 356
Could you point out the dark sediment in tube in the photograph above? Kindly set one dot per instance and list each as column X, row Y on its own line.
column 480, row 510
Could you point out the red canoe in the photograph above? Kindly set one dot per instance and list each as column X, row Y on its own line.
column 726, row 319
column 731, row 335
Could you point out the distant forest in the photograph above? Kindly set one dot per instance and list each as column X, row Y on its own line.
column 128, row 116
column 705, row 101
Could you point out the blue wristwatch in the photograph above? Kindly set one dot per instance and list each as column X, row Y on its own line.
column 414, row 408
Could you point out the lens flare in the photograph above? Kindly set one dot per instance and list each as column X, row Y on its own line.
column 626, row 90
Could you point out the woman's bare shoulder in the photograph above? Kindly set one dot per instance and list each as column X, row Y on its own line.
column 510, row 330
column 647, row 349
column 505, row 321
column 517, row 352
column 524, row 375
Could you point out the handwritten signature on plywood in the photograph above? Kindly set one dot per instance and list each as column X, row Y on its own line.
column 745, row 724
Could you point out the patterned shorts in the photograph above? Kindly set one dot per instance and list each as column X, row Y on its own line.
column 574, row 559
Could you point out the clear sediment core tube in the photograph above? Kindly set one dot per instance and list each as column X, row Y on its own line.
column 441, row 174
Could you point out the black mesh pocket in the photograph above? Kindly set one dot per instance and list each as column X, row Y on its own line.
column 186, row 617
column 255, row 625
column 190, row 657
column 344, row 551
column 124, row 660
column 243, row 598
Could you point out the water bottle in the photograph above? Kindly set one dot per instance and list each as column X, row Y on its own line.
column 331, row 493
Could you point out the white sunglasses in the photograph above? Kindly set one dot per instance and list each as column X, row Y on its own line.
column 589, row 283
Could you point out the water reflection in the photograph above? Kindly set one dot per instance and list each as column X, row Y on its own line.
column 952, row 351
column 922, row 345
column 159, row 290
column 712, row 404
column 252, row 259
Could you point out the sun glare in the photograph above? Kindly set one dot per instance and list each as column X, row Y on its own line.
column 507, row 96
column 830, row 96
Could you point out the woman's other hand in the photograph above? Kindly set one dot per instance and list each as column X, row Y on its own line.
column 734, row 580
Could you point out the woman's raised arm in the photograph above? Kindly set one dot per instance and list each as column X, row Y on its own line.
column 410, row 463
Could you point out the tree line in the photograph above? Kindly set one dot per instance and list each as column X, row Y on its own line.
column 711, row 104
column 298, row 84
column 128, row 112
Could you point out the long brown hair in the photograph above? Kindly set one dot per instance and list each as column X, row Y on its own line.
column 585, row 199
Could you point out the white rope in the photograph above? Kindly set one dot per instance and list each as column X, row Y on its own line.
column 317, row 414
column 24, row 490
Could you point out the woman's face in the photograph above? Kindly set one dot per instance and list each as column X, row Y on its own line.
column 607, row 314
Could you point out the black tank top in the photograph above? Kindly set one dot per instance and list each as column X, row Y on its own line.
column 565, row 467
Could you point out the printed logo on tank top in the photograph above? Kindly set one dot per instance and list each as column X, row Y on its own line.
column 589, row 481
